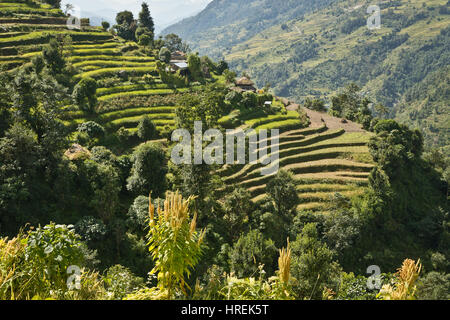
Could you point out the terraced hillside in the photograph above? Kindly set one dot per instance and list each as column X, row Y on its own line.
column 25, row 28
column 327, row 157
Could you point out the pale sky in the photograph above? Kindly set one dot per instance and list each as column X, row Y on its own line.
column 164, row 12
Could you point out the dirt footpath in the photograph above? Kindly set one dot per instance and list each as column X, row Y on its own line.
column 332, row 123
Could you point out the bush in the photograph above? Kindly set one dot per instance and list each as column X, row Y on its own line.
column 105, row 25
column 249, row 252
column 84, row 94
column 145, row 40
column 49, row 253
column 249, row 100
column 164, row 55
column 149, row 171
column 120, row 281
column 92, row 129
column 234, row 97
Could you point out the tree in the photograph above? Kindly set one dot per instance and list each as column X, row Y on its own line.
column 146, row 129
column 84, row 94
column 312, row 264
column 194, row 65
column 283, row 193
column 126, row 25
column 92, row 129
column 221, row 67
column 68, row 8
column 145, row 40
column 124, row 17
column 395, row 146
column 230, row 76
column 105, row 187
column 237, row 208
column 54, row 58
column 174, row 43
column 105, row 25
column 164, row 55
column 351, row 105
column 315, row 104
column 145, row 19
column 148, row 172
column 251, row 251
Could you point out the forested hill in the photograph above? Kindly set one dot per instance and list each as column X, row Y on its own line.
column 314, row 48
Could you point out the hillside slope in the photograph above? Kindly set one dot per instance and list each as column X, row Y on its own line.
column 315, row 51
column 327, row 157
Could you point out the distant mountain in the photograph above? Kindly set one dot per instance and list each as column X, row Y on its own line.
column 314, row 48
column 164, row 13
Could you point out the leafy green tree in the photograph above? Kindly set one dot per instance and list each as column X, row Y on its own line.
column 38, row 63
column 174, row 43
column 145, row 40
column 234, row 98
column 249, row 252
column 230, row 76
column 249, row 100
column 124, row 17
column 105, row 185
column 315, row 104
column 194, row 65
column 282, row 192
column 92, row 129
column 138, row 212
column 105, row 25
column 146, row 129
column 91, row 229
column 237, row 207
column 84, row 94
column 149, row 170
column 434, row 286
column 54, row 58
column 221, row 67
column 395, row 146
column 312, row 264
column 352, row 106
column 164, row 55
column 38, row 100
column 145, row 19
column 126, row 25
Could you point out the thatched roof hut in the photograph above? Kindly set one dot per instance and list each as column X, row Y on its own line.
column 76, row 152
column 245, row 84
column 244, row 81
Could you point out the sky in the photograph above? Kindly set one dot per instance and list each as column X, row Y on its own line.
column 164, row 12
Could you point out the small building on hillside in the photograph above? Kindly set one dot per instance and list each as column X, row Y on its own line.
column 244, row 84
column 178, row 63
column 181, row 66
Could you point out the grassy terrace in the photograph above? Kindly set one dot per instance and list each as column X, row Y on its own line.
column 322, row 160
